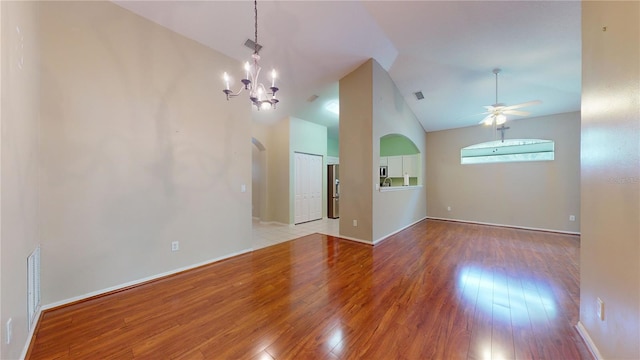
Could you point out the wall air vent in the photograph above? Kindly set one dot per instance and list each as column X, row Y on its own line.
column 33, row 285
column 419, row 95
column 252, row 45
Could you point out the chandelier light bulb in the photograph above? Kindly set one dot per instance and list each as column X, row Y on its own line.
column 226, row 80
column 273, row 78
column 247, row 69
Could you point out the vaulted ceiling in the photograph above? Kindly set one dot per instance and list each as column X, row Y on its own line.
column 445, row 49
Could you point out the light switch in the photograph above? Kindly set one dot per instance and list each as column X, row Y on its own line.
column 243, row 188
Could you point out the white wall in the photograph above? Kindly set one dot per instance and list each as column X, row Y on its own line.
column 610, row 241
column 538, row 195
column 139, row 149
column 19, row 116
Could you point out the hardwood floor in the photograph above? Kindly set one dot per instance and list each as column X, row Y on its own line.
column 438, row 290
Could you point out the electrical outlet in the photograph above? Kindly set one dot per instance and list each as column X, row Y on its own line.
column 448, row 208
column 355, row 222
column 600, row 309
column 572, row 218
column 9, row 331
column 175, row 246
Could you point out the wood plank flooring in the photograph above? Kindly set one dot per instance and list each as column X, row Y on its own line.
column 438, row 290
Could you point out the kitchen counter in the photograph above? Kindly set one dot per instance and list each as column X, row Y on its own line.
column 399, row 188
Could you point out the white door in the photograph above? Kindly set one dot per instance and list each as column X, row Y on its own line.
column 301, row 195
column 308, row 187
column 315, row 188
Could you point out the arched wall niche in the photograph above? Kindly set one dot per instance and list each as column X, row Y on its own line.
column 400, row 163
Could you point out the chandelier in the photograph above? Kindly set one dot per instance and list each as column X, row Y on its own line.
column 257, row 92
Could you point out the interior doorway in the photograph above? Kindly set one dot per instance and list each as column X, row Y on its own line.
column 258, row 180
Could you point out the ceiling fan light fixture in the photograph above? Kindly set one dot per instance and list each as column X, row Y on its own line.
column 496, row 112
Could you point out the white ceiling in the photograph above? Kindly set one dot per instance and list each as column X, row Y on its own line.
column 446, row 49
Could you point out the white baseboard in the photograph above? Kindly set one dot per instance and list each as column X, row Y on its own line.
column 116, row 288
column 351, row 239
column 140, row 281
column 379, row 240
column 584, row 334
column 31, row 333
column 274, row 223
column 504, row 225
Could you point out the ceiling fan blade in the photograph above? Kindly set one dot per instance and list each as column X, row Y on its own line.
column 496, row 108
column 528, row 103
column 516, row 112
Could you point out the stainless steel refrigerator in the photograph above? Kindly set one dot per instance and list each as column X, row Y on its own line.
column 333, row 191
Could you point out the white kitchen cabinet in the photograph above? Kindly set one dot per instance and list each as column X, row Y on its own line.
column 331, row 160
column 411, row 165
column 394, row 164
column 383, row 161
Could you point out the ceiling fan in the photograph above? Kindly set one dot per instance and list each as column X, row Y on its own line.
column 496, row 113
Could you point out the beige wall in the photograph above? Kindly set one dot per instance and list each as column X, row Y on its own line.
column 20, row 76
column 540, row 195
column 257, row 176
column 610, row 241
column 370, row 107
column 259, row 190
column 278, row 172
column 139, row 149
column 394, row 210
column 356, row 144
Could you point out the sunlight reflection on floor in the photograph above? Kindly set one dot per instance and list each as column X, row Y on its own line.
column 521, row 300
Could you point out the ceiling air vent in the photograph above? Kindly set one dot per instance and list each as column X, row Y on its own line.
column 252, row 45
column 419, row 95
column 312, row 98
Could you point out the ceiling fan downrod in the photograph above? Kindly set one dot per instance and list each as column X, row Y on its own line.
column 496, row 71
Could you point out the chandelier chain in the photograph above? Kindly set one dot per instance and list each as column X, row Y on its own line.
column 255, row 9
